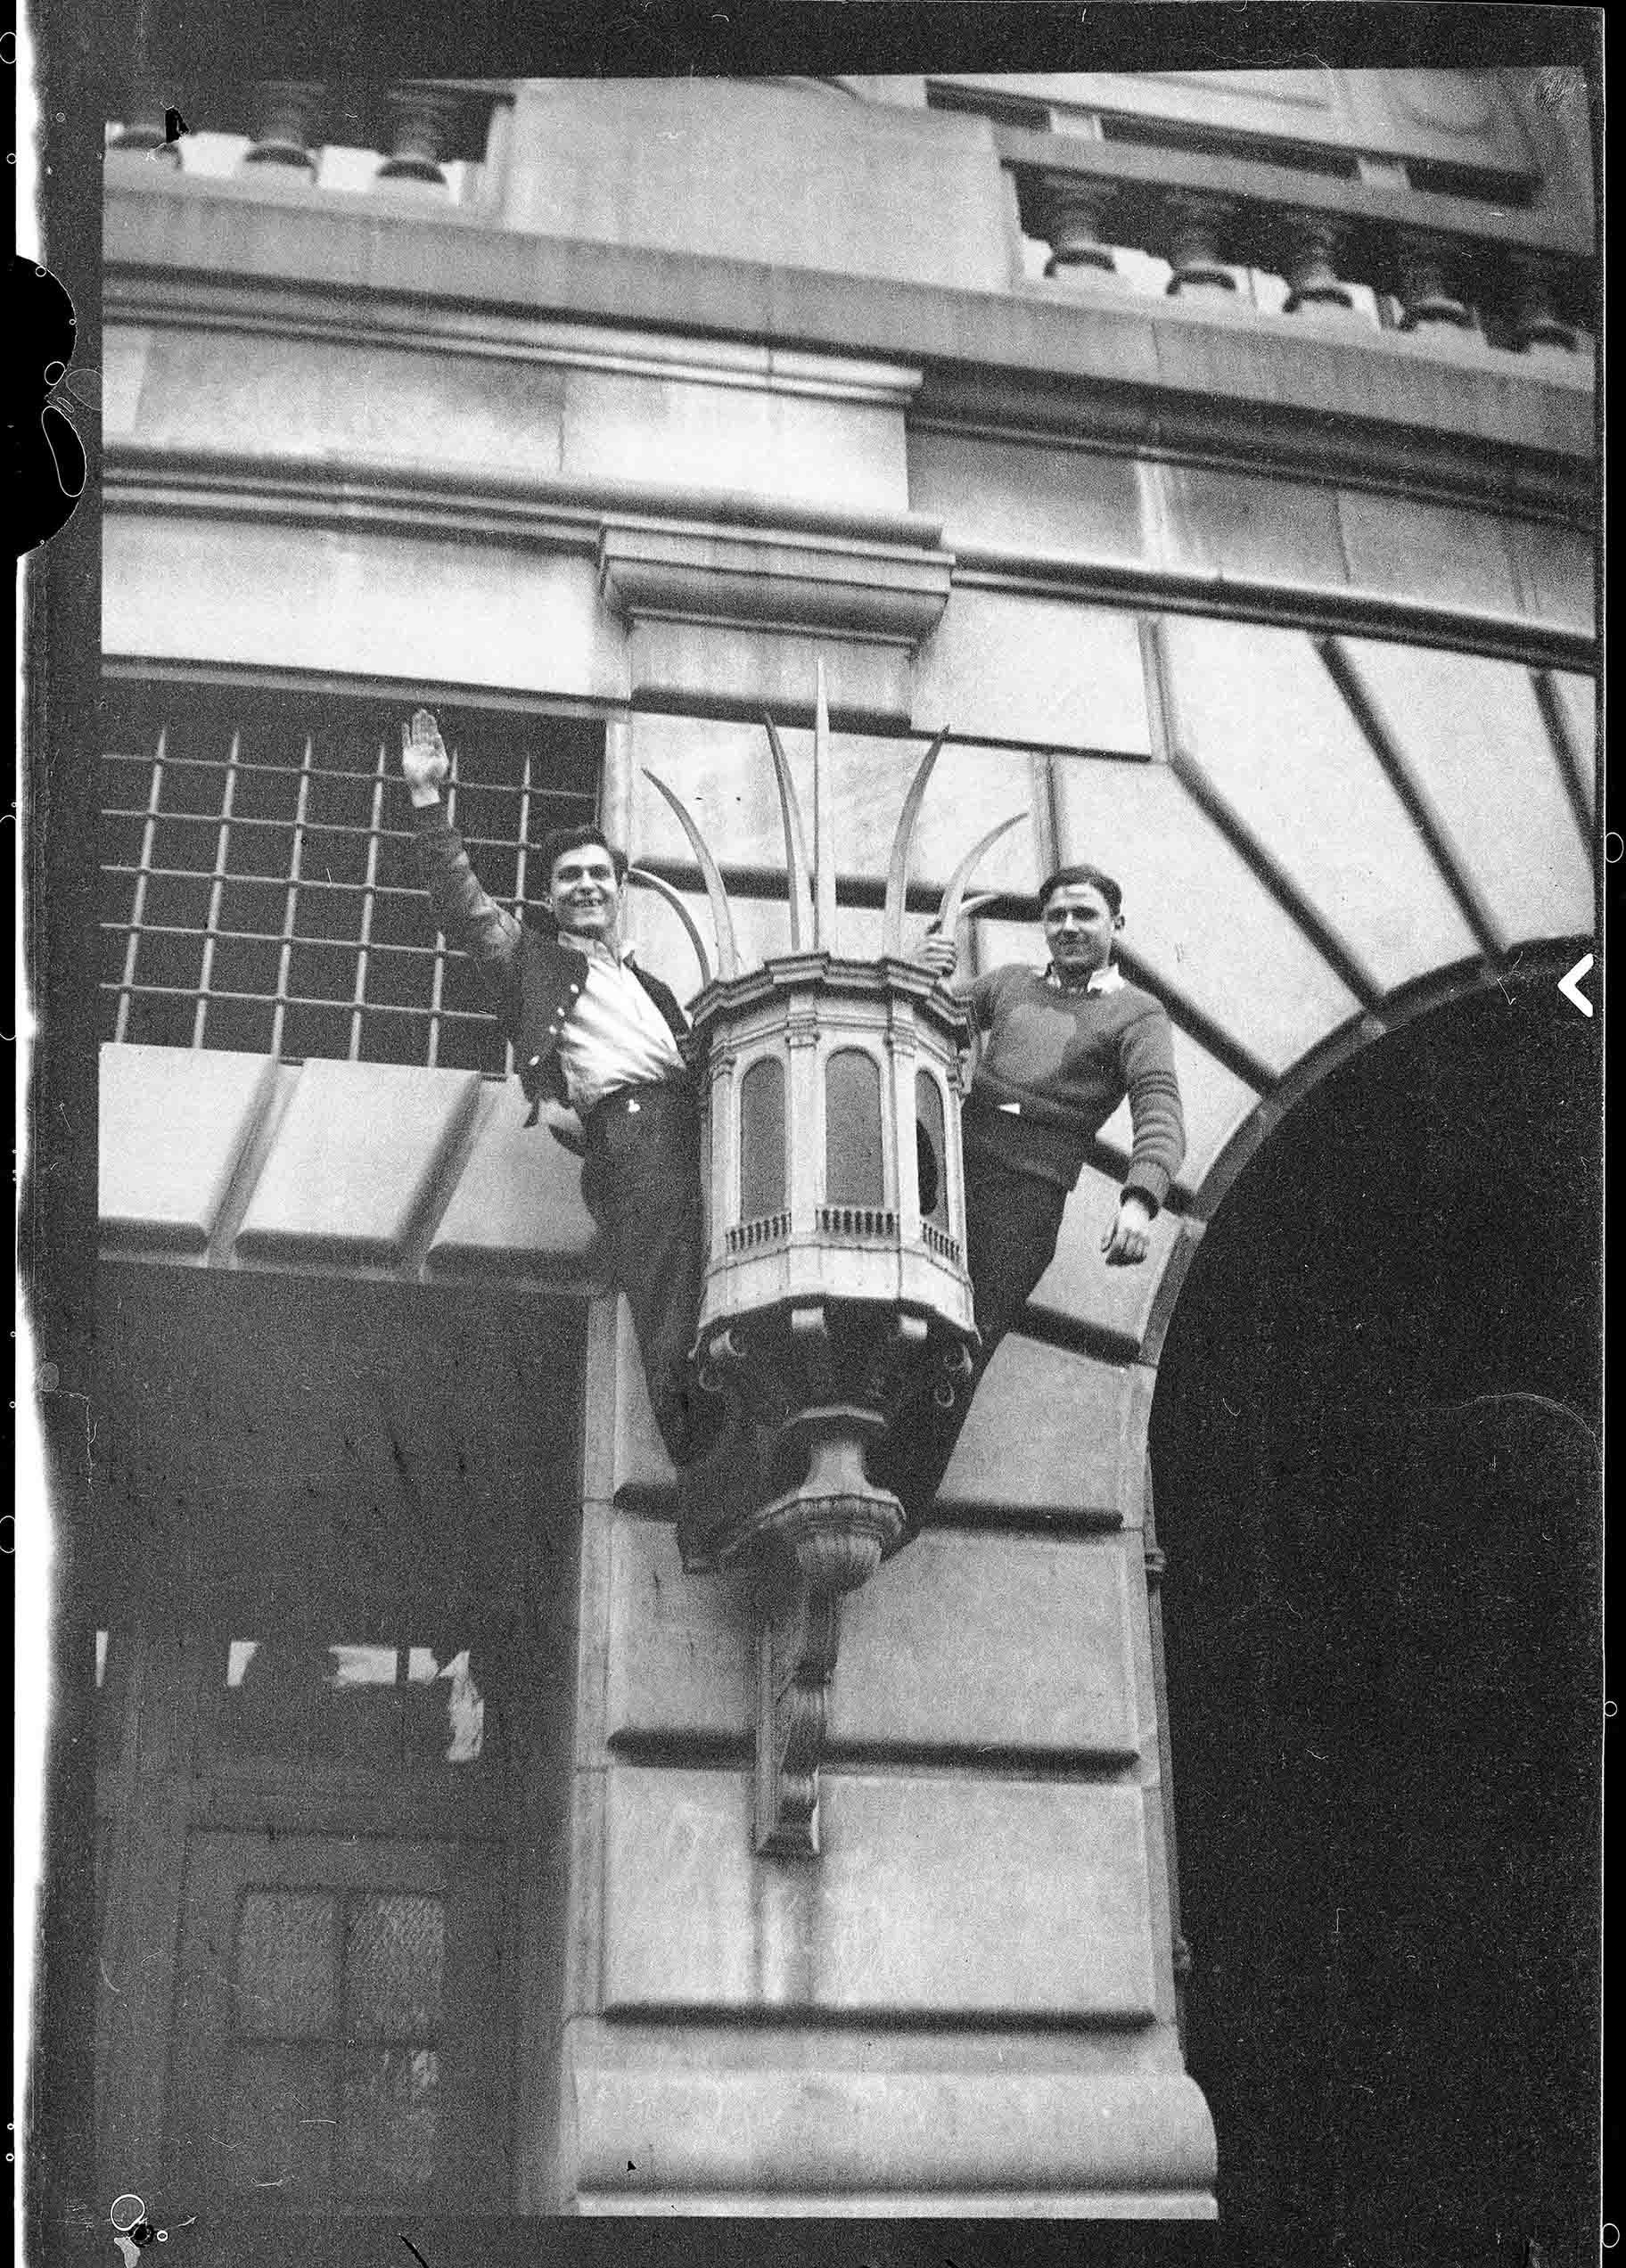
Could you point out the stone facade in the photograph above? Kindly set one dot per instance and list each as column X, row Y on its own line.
column 1285, row 619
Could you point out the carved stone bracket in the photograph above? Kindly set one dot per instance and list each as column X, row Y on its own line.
column 823, row 1538
column 790, row 1494
column 891, row 585
column 796, row 1646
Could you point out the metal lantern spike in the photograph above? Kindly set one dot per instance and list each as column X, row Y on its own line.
column 664, row 890
column 972, row 906
column 948, row 912
column 824, row 828
column 728, row 951
column 798, row 881
column 903, row 848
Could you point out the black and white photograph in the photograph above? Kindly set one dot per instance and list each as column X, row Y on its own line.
column 812, row 1139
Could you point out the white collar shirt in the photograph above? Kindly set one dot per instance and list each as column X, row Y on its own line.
column 615, row 1036
column 1109, row 979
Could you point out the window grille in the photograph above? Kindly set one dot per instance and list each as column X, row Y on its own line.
column 335, row 2064
column 259, row 883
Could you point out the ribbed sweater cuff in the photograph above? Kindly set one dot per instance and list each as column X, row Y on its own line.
column 1149, row 1181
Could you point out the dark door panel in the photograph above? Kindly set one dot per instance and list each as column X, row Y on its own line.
column 339, row 2025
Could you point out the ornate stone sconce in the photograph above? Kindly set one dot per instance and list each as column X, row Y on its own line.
column 836, row 1284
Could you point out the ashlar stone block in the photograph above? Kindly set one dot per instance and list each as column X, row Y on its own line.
column 671, row 433
column 720, row 2125
column 330, row 398
column 946, row 1896
column 1042, row 672
column 358, row 604
column 1079, row 1287
column 354, row 1159
column 1050, row 1431
column 517, row 1209
column 994, row 1642
column 742, row 171
column 1030, row 500
column 962, row 1641
column 172, row 1124
column 1261, row 716
column 684, row 663
column 1470, row 728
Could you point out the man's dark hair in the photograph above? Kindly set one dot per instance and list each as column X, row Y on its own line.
column 555, row 844
column 1092, row 875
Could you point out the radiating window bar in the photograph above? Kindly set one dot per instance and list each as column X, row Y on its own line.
column 368, row 894
column 437, row 977
column 148, row 838
column 223, row 837
column 292, row 903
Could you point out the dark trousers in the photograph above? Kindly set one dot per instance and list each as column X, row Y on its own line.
column 641, row 1184
column 1012, row 1223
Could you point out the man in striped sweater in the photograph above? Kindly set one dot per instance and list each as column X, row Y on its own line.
column 1059, row 1048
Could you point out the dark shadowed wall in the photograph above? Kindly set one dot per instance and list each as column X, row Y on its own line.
column 1373, row 1442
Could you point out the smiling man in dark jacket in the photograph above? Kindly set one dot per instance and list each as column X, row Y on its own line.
column 596, row 1049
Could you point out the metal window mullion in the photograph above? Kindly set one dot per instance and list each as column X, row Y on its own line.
column 341, row 2037
column 267, row 936
column 298, row 1001
column 436, row 981
column 264, row 881
column 217, row 888
column 368, row 891
column 138, row 904
column 524, row 848
column 290, row 904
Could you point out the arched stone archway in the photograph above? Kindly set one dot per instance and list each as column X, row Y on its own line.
column 1537, row 966
column 1374, row 1438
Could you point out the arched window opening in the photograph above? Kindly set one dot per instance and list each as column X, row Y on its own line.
column 929, row 1150
column 852, row 1129
column 762, row 1139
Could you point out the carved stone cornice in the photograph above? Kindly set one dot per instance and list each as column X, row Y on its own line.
column 687, row 554
column 204, row 301
column 773, row 579
column 1117, row 371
